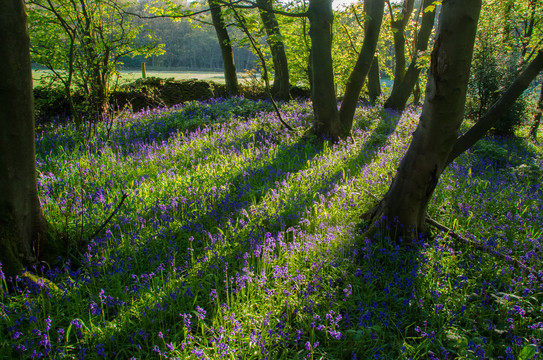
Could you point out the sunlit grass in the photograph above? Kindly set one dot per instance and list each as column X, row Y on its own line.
column 238, row 239
column 41, row 76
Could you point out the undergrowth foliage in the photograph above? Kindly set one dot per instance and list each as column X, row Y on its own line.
column 239, row 240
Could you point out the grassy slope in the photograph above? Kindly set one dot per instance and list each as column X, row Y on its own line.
column 239, row 240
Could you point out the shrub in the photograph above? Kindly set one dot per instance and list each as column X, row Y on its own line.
column 49, row 102
column 491, row 73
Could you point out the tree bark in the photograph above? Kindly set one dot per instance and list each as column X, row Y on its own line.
column 398, row 34
column 230, row 74
column 402, row 90
column 477, row 131
column 326, row 115
column 374, row 15
column 405, row 204
column 374, row 85
column 23, row 230
column 537, row 116
column 281, row 81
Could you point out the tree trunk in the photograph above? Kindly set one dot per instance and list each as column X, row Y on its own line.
column 281, row 82
column 230, row 74
column 537, row 116
column 326, row 120
column 398, row 33
column 374, row 16
column 413, row 185
column 401, row 91
column 22, row 226
column 374, row 85
column 416, row 94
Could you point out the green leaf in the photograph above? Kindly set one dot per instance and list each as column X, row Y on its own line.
column 527, row 352
column 430, row 8
column 357, row 334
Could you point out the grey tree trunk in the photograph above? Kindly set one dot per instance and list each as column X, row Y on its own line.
column 22, row 226
column 326, row 120
column 537, row 116
column 402, row 90
column 374, row 15
column 281, row 81
column 230, row 74
column 407, row 199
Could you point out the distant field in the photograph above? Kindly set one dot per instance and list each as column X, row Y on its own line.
column 132, row 75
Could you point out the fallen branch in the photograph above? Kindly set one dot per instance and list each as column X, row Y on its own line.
column 125, row 195
column 484, row 248
column 476, row 245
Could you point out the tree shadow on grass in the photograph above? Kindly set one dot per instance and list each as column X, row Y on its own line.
column 232, row 208
column 423, row 288
column 193, row 270
column 210, row 258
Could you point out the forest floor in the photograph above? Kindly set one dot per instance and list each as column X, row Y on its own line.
column 232, row 238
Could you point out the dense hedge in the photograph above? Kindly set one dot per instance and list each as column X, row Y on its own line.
column 51, row 102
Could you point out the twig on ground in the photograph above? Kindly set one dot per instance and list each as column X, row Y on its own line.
column 125, row 195
column 484, row 248
column 477, row 245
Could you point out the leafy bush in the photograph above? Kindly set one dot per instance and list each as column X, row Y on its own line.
column 513, row 118
column 492, row 72
column 50, row 102
column 491, row 152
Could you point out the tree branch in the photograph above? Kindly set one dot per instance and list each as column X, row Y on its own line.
column 484, row 248
column 180, row 16
column 477, row 131
column 254, row 5
column 241, row 21
column 353, row 47
column 125, row 195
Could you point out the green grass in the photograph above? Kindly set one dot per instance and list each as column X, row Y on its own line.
column 127, row 76
column 241, row 240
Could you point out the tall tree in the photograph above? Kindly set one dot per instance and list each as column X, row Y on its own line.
column 281, row 82
column 372, row 26
column 413, row 185
column 436, row 142
column 23, row 230
column 398, row 22
column 537, row 116
column 374, row 86
column 405, row 80
column 230, row 74
column 328, row 120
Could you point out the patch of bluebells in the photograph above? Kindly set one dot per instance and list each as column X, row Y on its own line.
column 238, row 238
